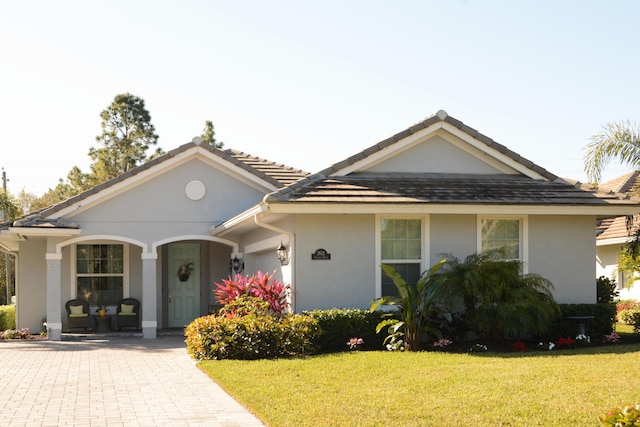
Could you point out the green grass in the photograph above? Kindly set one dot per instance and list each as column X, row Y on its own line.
column 556, row 388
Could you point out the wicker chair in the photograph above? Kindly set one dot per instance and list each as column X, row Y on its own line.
column 78, row 314
column 128, row 314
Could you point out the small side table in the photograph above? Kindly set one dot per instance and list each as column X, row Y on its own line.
column 103, row 324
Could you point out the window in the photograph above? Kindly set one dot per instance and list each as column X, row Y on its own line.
column 100, row 273
column 401, row 247
column 499, row 233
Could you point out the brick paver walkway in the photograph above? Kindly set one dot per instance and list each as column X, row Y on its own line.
column 111, row 382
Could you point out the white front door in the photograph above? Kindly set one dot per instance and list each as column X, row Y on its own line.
column 184, row 283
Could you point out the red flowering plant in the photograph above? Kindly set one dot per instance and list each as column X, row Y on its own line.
column 519, row 346
column 262, row 286
column 567, row 342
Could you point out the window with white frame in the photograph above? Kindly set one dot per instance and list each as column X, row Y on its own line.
column 401, row 247
column 498, row 233
column 100, row 273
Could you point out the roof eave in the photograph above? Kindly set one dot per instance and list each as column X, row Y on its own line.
column 44, row 231
column 600, row 211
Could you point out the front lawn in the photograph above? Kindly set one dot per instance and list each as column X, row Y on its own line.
column 552, row 388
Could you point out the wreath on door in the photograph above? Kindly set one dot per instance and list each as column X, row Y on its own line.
column 184, row 271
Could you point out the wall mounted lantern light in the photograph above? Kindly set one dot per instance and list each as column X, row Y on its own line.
column 281, row 252
column 236, row 265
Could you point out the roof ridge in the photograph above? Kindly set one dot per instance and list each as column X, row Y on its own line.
column 439, row 116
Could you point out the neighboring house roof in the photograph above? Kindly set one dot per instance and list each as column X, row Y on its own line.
column 278, row 175
column 622, row 184
column 621, row 228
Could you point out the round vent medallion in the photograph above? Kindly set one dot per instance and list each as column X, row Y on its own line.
column 195, row 190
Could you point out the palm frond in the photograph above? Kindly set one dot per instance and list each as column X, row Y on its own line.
column 619, row 141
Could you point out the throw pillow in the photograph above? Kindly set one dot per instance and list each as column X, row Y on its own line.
column 76, row 309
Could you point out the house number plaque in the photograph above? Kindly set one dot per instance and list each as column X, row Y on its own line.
column 320, row 254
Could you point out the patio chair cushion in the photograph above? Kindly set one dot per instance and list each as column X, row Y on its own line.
column 126, row 309
column 75, row 310
column 79, row 315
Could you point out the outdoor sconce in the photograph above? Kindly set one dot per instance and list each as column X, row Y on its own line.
column 281, row 252
column 236, row 265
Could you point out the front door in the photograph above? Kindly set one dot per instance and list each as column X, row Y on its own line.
column 184, row 283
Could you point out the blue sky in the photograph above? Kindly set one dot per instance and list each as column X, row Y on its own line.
column 308, row 84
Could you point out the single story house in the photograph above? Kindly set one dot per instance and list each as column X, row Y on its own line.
column 613, row 233
column 166, row 231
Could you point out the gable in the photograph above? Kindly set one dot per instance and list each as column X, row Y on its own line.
column 441, row 165
column 439, row 153
column 193, row 191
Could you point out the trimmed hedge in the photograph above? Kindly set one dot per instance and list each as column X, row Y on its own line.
column 7, row 317
column 339, row 325
column 251, row 337
column 602, row 324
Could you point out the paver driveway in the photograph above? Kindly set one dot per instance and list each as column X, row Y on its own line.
column 111, row 382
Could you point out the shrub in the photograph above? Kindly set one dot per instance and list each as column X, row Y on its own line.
column 11, row 334
column 339, row 325
column 628, row 415
column 7, row 317
column 498, row 300
column 251, row 337
column 606, row 290
column 261, row 285
column 630, row 317
column 601, row 325
column 627, row 305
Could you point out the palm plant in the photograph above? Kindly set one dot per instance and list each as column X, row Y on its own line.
column 497, row 299
column 416, row 306
column 619, row 141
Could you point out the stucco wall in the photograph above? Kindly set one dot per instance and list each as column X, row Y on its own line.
column 348, row 279
column 607, row 261
column 32, row 287
column 607, row 266
column 434, row 155
column 562, row 249
column 452, row 234
column 159, row 208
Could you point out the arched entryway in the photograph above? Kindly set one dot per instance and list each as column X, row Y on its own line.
column 189, row 268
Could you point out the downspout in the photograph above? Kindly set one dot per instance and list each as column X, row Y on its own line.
column 291, row 247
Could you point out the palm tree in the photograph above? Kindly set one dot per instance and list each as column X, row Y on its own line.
column 620, row 141
column 497, row 299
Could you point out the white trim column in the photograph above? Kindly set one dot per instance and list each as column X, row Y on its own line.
column 149, row 295
column 54, row 296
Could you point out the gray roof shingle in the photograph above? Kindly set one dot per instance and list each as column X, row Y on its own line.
column 439, row 189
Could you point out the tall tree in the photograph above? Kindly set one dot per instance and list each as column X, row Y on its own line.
column 9, row 209
column 618, row 141
column 208, row 135
column 127, row 134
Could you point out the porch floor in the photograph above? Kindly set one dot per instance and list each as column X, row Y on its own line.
column 160, row 333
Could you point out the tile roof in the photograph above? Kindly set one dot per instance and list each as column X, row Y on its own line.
column 622, row 184
column 440, row 189
column 331, row 186
column 277, row 174
column 284, row 175
column 620, row 227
